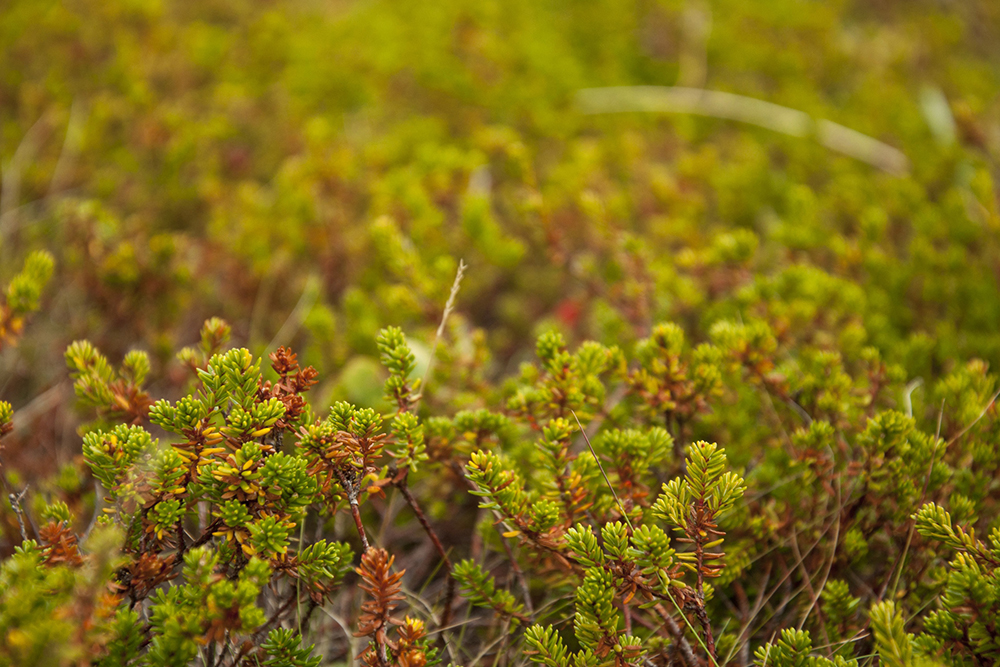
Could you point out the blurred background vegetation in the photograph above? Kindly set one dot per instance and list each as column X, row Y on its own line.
column 312, row 171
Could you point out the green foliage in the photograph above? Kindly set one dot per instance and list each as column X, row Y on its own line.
column 113, row 455
column 962, row 627
column 205, row 606
column 568, row 382
column 25, row 289
column 126, row 637
column 596, row 620
column 500, row 487
column 839, row 607
column 52, row 609
column 221, row 480
column 810, row 288
column 6, row 418
column 793, row 650
column 891, row 640
column 481, row 589
column 704, row 487
column 31, row 595
column 934, row 522
column 116, row 395
column 400, row 362
column 217, row 516
column 547, row 647
column 324, row 564
column 283, row 649
column 23, row 294
column 409, row 434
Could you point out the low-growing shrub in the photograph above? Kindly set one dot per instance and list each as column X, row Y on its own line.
column 719, row 387
column 730, row 502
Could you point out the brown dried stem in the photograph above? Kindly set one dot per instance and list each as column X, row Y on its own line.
column 352, row 498
column 683, row 647
column 399, row 481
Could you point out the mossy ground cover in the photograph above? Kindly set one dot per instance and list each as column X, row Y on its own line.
column 646, row 333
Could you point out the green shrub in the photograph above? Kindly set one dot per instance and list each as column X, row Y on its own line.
column 23, row 294
column 220, row 545
column 708, row 393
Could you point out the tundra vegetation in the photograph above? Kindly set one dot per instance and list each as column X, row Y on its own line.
column 418, row 334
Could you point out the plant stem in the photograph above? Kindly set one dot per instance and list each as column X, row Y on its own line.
column 352, row 498
column 15, row 503
column 399, row 481
column 356, row 513
column 683, row 647
column 696, row 536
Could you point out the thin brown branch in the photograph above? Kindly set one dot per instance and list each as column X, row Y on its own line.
column 399, row 481
column 352, row 498
column 683, row 647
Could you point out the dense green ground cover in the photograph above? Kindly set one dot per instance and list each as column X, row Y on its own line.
column 820, row 296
